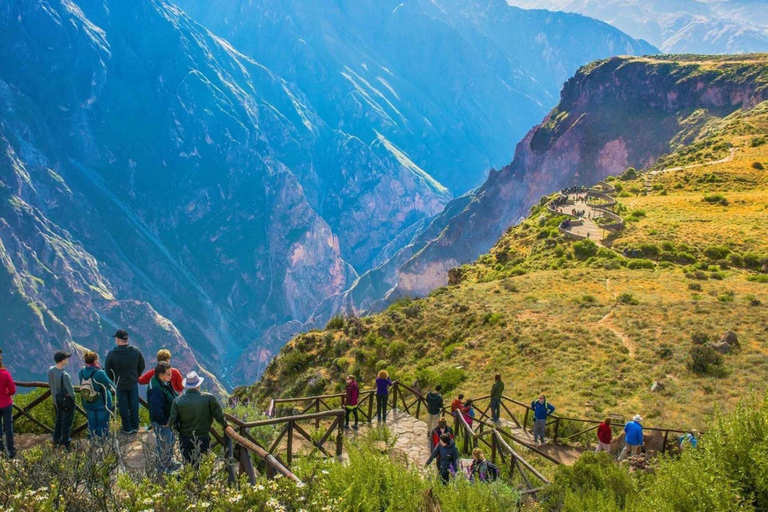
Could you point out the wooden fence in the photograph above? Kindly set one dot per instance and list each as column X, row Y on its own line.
column 238, row 441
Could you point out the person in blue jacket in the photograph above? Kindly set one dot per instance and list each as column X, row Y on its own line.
column 99, row 409
column 447, row 456
column 633, row 437
column 160, row 396
column 541, row 410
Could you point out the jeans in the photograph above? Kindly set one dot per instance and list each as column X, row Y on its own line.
column 6, row 431
column 192, row 448
column 128, row 405
column 495, row 409
column 539, row 429
column 98, row 422
column 349, row 410
column 62, row 430
column 164, row 439
column 381, row 407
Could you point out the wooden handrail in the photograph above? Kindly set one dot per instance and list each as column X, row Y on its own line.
column 258, row 450
column 500, row 440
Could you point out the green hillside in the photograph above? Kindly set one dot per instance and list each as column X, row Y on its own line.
column 585, row 323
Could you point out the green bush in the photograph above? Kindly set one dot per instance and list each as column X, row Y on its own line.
column 334, row 324
column 584, row 249
column 627, row 298
column 705, row 359
column 716, row 252
column 294, row 362
column 716, row 199
column 640, row 264
column 629, row 174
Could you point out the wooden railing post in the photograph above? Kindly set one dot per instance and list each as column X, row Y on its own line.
column 230, row 455
column 525, row 420
column 371, row 398
column 394, row 396
column 317, row 410
column 557, row 428
column 339, row 438
column 493, row 447
column 289, row 443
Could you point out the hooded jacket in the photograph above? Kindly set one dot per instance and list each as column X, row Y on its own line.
column 101, row 384
column 160, row 396
column 448, row 456
column 434, row 402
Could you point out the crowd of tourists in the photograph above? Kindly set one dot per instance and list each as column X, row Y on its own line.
column 441, row 436
column 177, row 406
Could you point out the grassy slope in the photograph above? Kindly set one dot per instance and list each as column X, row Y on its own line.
column 551, row 322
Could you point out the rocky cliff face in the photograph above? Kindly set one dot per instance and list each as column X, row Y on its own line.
column 155, row 178
column 614, row 114
column 453, row 84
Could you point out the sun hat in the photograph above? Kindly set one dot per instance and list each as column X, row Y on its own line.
column 637, row 418
column 192, row 381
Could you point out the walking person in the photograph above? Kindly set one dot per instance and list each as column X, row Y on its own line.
column 441, row 428
column 124, row 364
column 457, row 405
column 192, row 415
column 63, row 394
column 448, row 458
column 160, row 397
column 164, row 355
column 434, row 409
column 383, row 384
column 541, row 411
column 96, row 394
column 349, row 401
column 482, row 470
column 7, row 390
column 604, row 436
column 497, row 390
column 468, row 411
column 633, row 438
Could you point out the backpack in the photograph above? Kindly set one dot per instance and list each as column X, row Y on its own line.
column 88, row 389
column 64, row 402
column 492, row 472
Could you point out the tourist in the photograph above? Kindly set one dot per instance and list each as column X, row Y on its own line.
column 448, row 457
column 434, row 409
column 96, row 394
column 457, row 405
column 349, row 401
column 7, row 390
column 541, row 410
column 482, row 470
column 383, row 384
column 604, row 436
column 164, row 355
column 63, row 394
column 192, row 415
column 496, row 392
column 124, row 365
column 468, row 411
column 160, row 397
column 689, row 439
column 633, row 437
column 441, row 428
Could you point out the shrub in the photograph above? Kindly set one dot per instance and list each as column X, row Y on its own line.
column 696, row 287
column 629, row 175
column 492, row 319
column 336, row 323
column 397, row 350
column 665, row 351
column 640, row 264
column 758, row 166
column 627, row 298
column 699, row 337
column 759, row 279
column 294, row 362
column 584, row 249
column 716, row 199
column 705, row 359
column 716, row 252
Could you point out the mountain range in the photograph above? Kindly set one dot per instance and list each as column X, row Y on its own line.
column 677, row 26
column 208, row 184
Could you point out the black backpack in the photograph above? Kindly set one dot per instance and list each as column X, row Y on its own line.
column 492, row 472
column 64, row 402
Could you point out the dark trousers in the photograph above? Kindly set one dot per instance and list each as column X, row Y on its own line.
column 445, row 475
column 6, row 431
column 62, row 430
column 495, row 409
column 381, row 407
column 348, row 410
column 192, row 448
column 128, row 405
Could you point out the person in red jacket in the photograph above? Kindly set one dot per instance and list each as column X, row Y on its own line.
column 604, row 436
column 7, row 390
column 441, row 428
column 164, row 355
column 350, row 401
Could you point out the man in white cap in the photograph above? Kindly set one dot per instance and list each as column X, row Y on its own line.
column 633, row 437
column 192, row 415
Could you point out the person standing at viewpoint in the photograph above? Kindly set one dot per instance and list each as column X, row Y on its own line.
column 124, row 364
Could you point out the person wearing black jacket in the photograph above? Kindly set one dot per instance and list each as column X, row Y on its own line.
column 160, row 396
column 124, row 364
column 448, row 457
column 434, row 410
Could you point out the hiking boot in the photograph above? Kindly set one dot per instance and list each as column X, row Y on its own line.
column 346, row 427
column 354, row 427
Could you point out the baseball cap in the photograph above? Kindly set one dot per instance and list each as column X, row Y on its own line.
column 60, row 356
column 121, row 333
